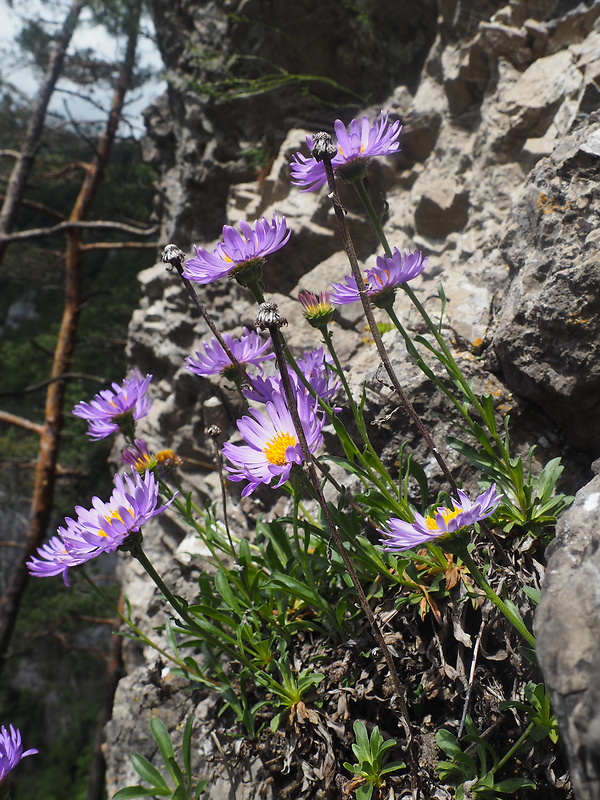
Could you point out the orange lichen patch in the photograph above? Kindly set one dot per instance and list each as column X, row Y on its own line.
column 477, row 346
column 495, row 391
column 576, row 320
column 504, row 409
column 549, row 205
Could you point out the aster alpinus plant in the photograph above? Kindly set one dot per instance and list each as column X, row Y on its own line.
column 342, row 553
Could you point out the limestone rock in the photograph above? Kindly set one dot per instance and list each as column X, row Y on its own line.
column 442, row 208
column 567, row 627
column 547, row 336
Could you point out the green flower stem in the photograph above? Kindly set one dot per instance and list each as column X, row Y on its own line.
column 306, row 514
column 138, row 632
column 235, row 577
column 449, row 362
column 494, row 440
column 515, row 620
column 453, row 369
column 256, row 289
column 423, row 366
column 361, row 191
column 214, row 432
column 396, row 502
column 366, row 304
column 190, row 625
column 180, row 609
column 360, row 424
column 514, row 749
column 5, row 788
column 232, row 576
column 426, row 369
column 358, row 417
column 126, row 424
column 334, row 530
column 176, row 260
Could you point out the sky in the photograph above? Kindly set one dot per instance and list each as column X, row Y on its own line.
column 86, row 36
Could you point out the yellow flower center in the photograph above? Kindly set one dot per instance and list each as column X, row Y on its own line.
column 276, row 447
column 361, row 149
column 169, row 457
column 379, row 279
column 114, row 515
column 144, row 462
column 446, row 513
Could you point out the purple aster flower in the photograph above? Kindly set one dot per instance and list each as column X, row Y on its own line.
column 261, row 388
column 55, row 559
column 314, row 365
column 356, row 146
column 318, row 309
column 11, row 750
column 249, row 349
column 101, row 529
column 401, row 535
column 383, row 280
column 271, row 447
column 238, row 251
column 139, row 457
column 111, row 409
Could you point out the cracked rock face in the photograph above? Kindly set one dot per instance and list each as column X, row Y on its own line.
column 548, row 334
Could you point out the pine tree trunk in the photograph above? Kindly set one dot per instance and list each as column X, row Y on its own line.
column 45, row 471
column 24, row 162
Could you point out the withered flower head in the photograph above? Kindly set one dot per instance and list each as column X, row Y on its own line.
column 269, row 317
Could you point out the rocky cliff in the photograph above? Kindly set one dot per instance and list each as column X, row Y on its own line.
column 496, row 182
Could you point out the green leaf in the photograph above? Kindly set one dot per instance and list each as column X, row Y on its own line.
column 297, row 589
column 149, row 773
column 161, row 736
column 533, row 593
column 223, row 587
column 131, row 792
column 511, row 785
column 186, row 747
column 175, row 771
column 365, row 791
column 392, row 767
column 276, row 721
column 447, row 742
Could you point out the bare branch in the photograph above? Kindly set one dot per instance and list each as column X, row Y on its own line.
column 119, row 246
column 70, row 225
column 63, row 377
column 21, row 422
column 39, row 207
column 25, row 159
